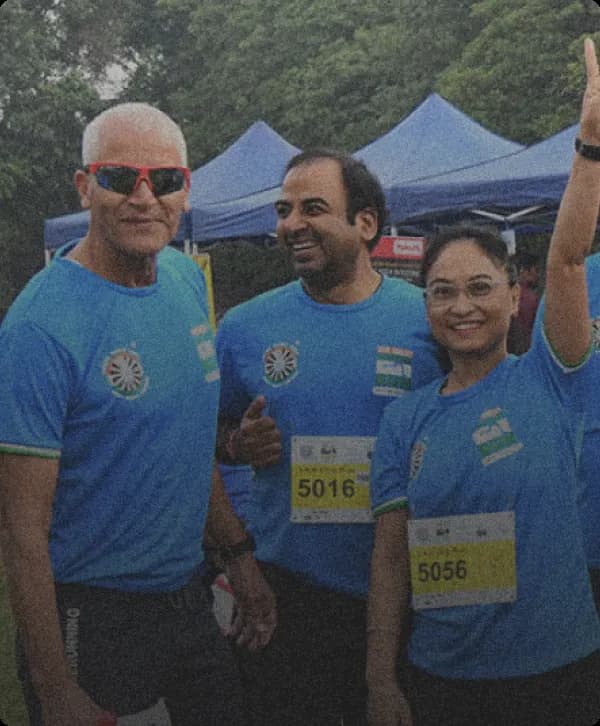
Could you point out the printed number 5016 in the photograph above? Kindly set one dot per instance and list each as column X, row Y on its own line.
column 320, row 488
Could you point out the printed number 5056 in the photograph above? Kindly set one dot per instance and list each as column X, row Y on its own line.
column 447, row 570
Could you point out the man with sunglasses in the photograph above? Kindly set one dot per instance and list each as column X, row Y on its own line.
column 109, row 398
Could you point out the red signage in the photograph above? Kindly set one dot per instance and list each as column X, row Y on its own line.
column 399, row 248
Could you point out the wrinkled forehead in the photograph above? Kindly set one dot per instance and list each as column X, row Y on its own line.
column 120, row 141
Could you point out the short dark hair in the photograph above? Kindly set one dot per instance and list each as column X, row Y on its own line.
column 487, row 239
column 363, row 190
column 526, row 260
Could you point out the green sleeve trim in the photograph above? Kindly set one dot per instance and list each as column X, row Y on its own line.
column 570, row 366
column 400, row 503
column 29, row 451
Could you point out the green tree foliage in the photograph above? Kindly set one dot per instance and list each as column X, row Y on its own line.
column 522, row 75
column 333, row 72
column 51, row 54
column 328, row 72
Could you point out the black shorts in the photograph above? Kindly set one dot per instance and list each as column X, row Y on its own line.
column 128, row 650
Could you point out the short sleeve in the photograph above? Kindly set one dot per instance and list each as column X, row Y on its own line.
column 390, row 467
column 234, row 399
column 188, row 271
column 35, row 390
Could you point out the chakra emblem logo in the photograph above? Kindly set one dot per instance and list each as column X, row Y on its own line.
column 125, row 374
column 280, row 364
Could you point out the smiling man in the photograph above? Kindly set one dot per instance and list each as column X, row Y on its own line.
column 307, row 370
column 109, row 400
column 329, row 245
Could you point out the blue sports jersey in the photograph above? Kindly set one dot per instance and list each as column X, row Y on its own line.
column 326, row 371
column 588, row 402
column 121, row 385
column 504, row 444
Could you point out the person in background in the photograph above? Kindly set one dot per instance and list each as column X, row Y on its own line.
column 479, row 565
column 307, row 370
column 109, row 402
column 529, row 276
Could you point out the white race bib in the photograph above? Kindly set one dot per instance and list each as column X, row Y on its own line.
column 463, row 560
column 330, row 479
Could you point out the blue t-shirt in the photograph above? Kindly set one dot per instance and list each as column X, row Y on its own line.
column 121, row 385
column 329, row 371
column 588, row 403
column 505, row 444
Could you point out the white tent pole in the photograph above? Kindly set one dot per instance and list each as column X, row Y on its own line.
column 510, row 217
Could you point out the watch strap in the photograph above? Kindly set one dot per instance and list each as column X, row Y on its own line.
column 588, row 151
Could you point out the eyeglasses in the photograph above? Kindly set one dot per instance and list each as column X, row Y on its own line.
column 126, row 178
column 443, row 293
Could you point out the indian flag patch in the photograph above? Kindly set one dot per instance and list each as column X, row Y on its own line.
column 494, row 437
column 393, row 372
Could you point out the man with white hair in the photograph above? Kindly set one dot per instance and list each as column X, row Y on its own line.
column 107, row 482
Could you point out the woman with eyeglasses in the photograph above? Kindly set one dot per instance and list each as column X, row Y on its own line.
column 478, row 573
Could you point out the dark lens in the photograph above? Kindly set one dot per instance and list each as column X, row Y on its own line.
column 118, row 179
column 167, row 181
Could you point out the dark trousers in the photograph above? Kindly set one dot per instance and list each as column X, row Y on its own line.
column 129, row 650
column 313, row 671
column 567, row 696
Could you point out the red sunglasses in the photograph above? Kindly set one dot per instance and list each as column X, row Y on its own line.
column 126, row 178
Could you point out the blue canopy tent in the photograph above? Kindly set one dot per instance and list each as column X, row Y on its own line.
column 436, row 137
column 59, row 230
column 226, row 196
column 256, row 161
column 251, row 216
column 233, row 195
column 505, row 189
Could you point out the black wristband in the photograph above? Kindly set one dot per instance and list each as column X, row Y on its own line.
column 588, row 151
column 232, row 552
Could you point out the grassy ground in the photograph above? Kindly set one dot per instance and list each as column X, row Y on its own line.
column 12, row 710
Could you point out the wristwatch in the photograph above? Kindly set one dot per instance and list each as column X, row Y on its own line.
column 231, row 552
column 587, row 150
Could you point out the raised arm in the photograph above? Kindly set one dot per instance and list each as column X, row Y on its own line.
column 27, row 486
column 566, row 316
column 387, row 621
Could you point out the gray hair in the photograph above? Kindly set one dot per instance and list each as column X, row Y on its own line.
column 142, row 117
